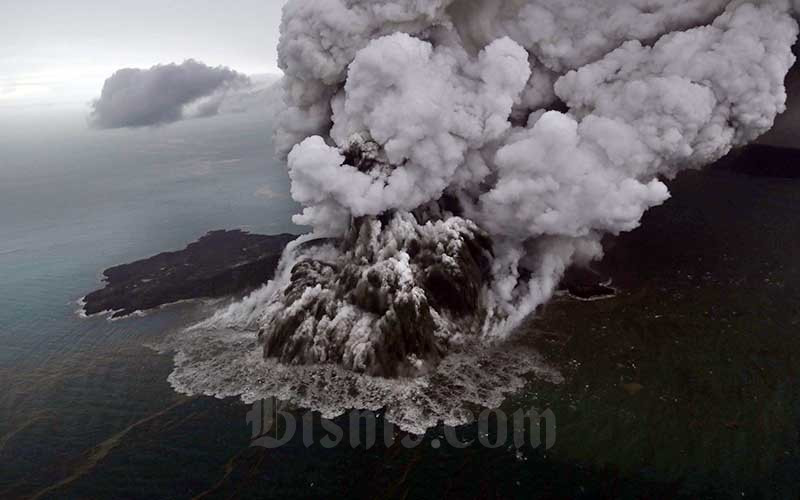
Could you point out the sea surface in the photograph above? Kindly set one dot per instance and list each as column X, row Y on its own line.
column 683, row 385
column 74, row 202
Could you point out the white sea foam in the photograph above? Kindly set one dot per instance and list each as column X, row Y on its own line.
column 229, row 363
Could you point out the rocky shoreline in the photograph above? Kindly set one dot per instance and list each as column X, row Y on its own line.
column 219, row 264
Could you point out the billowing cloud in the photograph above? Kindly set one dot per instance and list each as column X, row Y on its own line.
column 546, row 123
column 417, row 132
column 164, row 94
column 454, row 158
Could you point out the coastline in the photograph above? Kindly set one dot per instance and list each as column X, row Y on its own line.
column 220, row 264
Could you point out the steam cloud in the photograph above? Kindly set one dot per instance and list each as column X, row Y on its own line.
column 461, row 154
column 164, row 94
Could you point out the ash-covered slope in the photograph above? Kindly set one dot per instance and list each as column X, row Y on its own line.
column 401, row 288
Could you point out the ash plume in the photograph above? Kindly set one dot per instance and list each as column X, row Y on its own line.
column 164, row 94
column 459, row 155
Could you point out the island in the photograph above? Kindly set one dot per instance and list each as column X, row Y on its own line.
column 219, row 264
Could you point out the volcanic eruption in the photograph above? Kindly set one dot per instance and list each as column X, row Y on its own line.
column 455, row 157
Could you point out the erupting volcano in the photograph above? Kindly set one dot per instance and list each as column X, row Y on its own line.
column 455, row 157
column 465, row 153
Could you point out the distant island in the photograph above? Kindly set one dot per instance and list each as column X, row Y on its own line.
column 220, row 263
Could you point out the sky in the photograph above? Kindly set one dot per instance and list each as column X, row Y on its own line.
column 54, row 52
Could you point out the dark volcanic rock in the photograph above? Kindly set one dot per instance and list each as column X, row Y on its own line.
column 220, row 263
column 385, row 299
column 761, row 160
column 586, row 284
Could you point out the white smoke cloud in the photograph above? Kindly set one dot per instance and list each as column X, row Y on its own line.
column 172, row 92
column 417, row 130
column 318, row 42
column 461, row 155
column 450, row 105
column 567, row 34
column 435, row 101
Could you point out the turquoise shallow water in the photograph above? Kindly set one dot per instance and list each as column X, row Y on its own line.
column 705, row 328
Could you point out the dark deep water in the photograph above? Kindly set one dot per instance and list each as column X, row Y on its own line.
column 684, row 385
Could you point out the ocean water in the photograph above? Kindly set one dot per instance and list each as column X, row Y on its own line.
column 686, row 384
column 73, row 202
